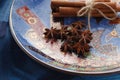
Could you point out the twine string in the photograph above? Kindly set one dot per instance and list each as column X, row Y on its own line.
column 90, row 7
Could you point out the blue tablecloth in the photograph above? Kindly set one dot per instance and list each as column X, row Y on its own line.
column 16, row 65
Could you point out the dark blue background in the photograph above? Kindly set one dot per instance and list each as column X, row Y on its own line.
column 16, row 65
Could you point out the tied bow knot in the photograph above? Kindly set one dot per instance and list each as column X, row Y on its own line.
column 90, row 6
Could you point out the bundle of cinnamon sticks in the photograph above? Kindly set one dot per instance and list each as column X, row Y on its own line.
column 69, row 8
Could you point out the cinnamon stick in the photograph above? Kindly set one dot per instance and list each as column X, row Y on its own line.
column 67, row 8
column 63, row 2
column 73, row 11
column 118, row 8
column 82, row 4
column 55, row 4
column 92, row 15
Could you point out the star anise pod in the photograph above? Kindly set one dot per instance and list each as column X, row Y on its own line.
column 74, row 31
column 74, row 37
column 63, row 32
column 79, row 24
column 51, row 34
column 66, row 47
column 86, row 37
column 81, row 49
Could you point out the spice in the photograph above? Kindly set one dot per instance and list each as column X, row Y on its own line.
column 58, row 15
column 59, row 3
column 51, row 34
column 74, row 10
column 74, row 37
column 63, row 8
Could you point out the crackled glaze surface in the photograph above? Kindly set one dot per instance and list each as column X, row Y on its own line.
column 30, row 17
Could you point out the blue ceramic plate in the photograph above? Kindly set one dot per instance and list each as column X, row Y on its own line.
column 28, row 18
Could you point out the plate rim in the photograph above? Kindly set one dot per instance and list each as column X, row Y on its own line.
column 48, row 65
